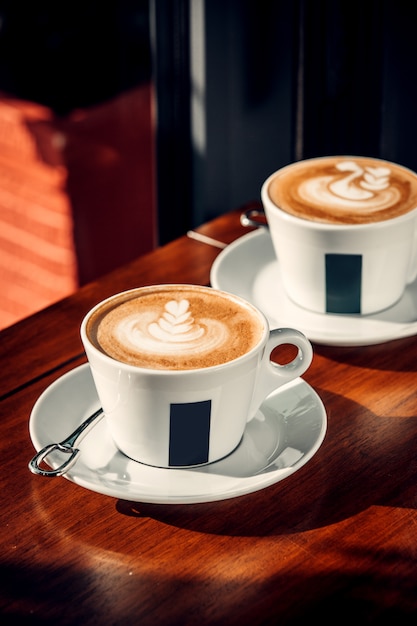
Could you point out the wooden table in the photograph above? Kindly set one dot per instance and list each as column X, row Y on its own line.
column 336, row 540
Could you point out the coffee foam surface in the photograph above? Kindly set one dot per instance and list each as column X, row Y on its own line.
column 174, row 329
column 345, row 190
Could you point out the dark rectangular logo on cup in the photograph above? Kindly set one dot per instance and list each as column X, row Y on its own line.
column 189, row 433
column 343, row 283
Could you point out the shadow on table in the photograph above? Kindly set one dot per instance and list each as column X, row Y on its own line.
column 384, row 356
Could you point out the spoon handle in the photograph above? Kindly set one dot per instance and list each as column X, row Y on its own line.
column 66, row 447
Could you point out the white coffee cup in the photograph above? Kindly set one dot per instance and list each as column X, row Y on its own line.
column 186, row 368
column 344, row 231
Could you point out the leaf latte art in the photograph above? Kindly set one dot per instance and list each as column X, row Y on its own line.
column 174, row 327
column 175, row 331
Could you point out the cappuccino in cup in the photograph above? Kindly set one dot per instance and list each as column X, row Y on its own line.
column 344, row 232
column 344, row 190
column 174, row 328
column 180, row 369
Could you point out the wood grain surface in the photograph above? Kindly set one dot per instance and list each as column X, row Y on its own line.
column 335, row 541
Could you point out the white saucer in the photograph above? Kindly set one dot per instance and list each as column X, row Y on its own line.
column 248, row 267
column 278, row 441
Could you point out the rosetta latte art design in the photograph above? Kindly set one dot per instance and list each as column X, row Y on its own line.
column 174, row 327
column 174, row 331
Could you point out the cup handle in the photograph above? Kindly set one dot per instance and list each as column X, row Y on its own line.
column 272, row 375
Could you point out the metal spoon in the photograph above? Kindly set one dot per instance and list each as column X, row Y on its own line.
column 254, row 217
column 66, row 446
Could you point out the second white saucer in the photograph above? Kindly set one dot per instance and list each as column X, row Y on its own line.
column 249, row 268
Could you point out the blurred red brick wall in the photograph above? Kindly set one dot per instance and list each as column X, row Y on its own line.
column 76, row 197
column 37, row 255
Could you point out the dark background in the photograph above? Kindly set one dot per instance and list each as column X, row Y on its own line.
column 281, row 81
column 73, row 54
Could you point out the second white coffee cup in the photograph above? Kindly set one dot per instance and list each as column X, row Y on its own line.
column 344, row 230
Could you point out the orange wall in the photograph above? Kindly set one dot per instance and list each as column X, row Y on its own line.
column 76, row 197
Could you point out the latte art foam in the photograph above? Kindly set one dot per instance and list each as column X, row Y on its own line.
column 347, row 190
column 174, row 327
column 170, row 334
